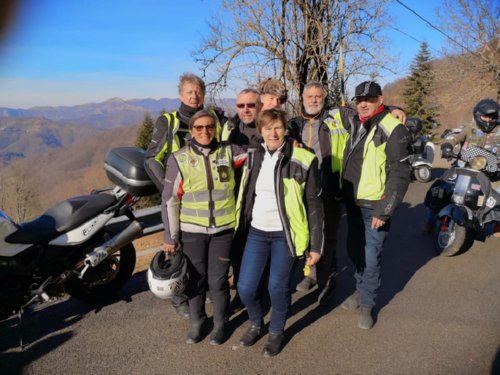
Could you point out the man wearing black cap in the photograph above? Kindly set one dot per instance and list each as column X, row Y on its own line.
column 374, row 182
column 322, row 132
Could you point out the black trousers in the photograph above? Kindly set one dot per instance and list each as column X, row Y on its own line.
column 327, row 265
column 208, row 265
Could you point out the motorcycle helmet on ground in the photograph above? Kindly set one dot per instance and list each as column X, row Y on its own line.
column 486, row 107
column 167, row 276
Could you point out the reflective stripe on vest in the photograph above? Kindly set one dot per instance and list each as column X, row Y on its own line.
column 372, row 180
column 206, row 201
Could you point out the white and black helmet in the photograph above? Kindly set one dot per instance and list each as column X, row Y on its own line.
column 167, row 276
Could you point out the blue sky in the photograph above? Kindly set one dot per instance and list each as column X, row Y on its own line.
column 61, row 52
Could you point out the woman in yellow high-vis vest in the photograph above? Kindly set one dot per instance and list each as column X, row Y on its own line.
column 198, row 212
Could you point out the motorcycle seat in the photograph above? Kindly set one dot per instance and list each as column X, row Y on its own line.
column 61, row 218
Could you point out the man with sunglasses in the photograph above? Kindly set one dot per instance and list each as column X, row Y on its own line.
column 240, row 129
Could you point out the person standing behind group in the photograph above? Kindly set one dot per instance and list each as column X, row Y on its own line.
column 279, row 207
column 198, row 212
column 240, row 129
column 273, row 93
column 374, row 181
column 169, row 135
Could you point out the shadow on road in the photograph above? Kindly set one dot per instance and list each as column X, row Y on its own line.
column 39, row 325
column 405, row 252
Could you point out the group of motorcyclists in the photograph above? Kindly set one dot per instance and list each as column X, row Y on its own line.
column 194, row 159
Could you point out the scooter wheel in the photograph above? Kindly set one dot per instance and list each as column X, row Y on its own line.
column 423, row 173
column 451, row 239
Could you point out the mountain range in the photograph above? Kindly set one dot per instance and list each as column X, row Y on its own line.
column 109, row 114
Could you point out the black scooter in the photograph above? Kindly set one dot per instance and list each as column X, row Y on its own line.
column 464, row 204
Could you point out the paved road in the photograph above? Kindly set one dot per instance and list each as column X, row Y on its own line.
column 435, row 316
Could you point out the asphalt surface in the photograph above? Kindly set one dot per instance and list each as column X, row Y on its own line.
column 434, row 316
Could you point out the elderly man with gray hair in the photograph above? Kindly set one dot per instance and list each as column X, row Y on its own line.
column 318, row 129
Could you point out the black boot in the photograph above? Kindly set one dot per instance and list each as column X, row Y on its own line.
column 195, row 332
column 218, row 334
column 251, row 336
column 182, row 310
column 273, row 344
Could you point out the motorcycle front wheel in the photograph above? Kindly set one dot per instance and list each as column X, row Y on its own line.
column 104, row 280
column 423, row 173
column 452, row 238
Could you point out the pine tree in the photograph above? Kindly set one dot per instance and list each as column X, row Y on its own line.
column 143, row 139
column 418, row 90
column 145, row 132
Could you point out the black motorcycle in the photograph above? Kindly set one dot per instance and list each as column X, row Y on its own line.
column 464, row 204
column 74, row 247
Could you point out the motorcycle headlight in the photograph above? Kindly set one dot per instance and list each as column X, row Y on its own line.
column 478, row 163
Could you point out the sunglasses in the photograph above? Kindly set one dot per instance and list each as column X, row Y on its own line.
column 199, row 128
column 248, row 105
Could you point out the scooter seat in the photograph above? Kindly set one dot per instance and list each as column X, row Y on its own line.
column 61, row 218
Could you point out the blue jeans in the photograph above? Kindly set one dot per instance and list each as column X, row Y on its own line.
column 260, row 248
column 364, row 246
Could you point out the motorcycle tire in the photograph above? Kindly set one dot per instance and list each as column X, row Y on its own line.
column 452, row 239
column 423, row 173
column 104, row 280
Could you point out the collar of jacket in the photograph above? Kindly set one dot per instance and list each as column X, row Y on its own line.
column 320, row 116
column 236, row 124
column 375, row 119
column 186, row 112
column 286, row 148
column 197, row 148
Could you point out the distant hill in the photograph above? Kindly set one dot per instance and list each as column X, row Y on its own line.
column 60, row 173
column 22, row 137
column 110, row 114
column 456, row 91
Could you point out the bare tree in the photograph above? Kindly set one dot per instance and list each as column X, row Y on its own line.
column 293, row 40
column 20, row 194
column 474, row 28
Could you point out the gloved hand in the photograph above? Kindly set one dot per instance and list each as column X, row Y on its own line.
column 447, row 150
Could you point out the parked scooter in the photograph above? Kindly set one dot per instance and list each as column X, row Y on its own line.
column 465, row 205
column 422, row 155
column 72, row 247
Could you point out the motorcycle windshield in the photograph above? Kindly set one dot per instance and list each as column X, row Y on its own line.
column 461, row 187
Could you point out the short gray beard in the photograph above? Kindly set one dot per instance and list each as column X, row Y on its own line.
column 313, row 113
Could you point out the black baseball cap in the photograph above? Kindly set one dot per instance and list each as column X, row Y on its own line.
column 368, row 88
